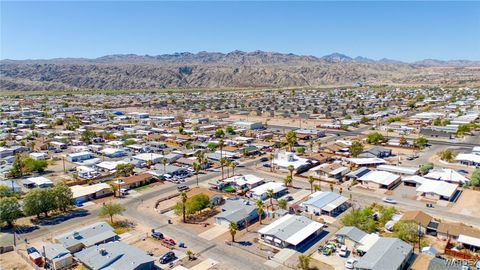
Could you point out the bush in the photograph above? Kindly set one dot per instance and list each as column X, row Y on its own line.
column 193, row 205
column 375, row 138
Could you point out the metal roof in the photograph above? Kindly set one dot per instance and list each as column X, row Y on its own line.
column 386, row 254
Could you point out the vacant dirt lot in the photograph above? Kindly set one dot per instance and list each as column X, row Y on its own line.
column 468, row 203
column 13, row 261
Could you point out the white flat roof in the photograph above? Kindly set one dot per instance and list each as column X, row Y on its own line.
column 438, row 187
column 472, row 241
column 80, row 191
column 39, row 180
column 468, row 157
column 380, row 177
column 446, row 175
column 276, row 187
column 398, row 169
column 305, row 232
column 366, row 161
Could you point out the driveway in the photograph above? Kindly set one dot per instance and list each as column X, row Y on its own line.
column 214, row 232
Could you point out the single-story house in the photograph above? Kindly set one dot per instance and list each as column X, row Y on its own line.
column 376, row 152
column 37, row 182
column 57, row 257
column 468, row 159
column 386, row 254
column 290, row 231
column 453, row 230
column 238, row 211
column 39, row 155
column 260, row 192
column 285, row 159
column 354, row 175
column 248, row 125
column 80, row 156
column 398, row 169
column 366, row 162
column 82, row 194
column 350, row 236
column 115, row 256
column 11, row 185
column 329, row 203
column 329, row 170
column 447, row 175
column 87, row 236
column 149, row 157
column 248, row 181
column 113, row 152
column 109, row 166
column 418, row 217
column 380, row 179
column 135, row 180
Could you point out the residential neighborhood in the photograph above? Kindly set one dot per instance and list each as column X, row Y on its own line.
column 351, row 178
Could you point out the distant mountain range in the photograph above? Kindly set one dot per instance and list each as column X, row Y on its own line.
column 234, row 69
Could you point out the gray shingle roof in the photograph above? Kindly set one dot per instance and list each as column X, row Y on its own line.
column 386, row 254
column 113, row 256
column 236, row 210
column 351, row 232
column 89, row 235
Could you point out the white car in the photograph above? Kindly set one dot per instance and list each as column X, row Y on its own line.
column 343, row 251
column 389, row 200
column 350, row 264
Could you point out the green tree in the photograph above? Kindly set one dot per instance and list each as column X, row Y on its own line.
column 282, row 203
column 425, row 168
column 361, row 218
column 63, row 196
column 259, row 206
column 17, row 169
column 10, row 210
column 475, row 179
column 87, row 135
column 375, row 138
column 219, row 133
column 223, row 162
column 356, row 149
column 291, row 138
column 311, row 180
column 270, row 194
column 124, row 169
column 232, row 228
column 287, row 181
column 291, row 169
column 111, row 209
column 212, row 146
column 446, row 155
column 129, row 142
column 5, row 191
column 301, row 150
column 32, row 165
column 38, row 201
column 304, row 262
column 408, row 231
column 420, row 142
column 230, row 130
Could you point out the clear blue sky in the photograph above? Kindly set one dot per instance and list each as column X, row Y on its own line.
column 405, row 31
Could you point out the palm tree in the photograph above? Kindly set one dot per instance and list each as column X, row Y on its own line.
column 259, row 205
column 287, row 181
column 220, row 145
column 164, row 162
column 331, row 187
column 270, row 196
column 232, row 227
column 223, row 161
column 340, row 190
column 317, row 188
column 291, row 169
column 233, row 165
column 271, row 156
column 227, row 164
column 282, row 203
column 184, row 198
column 310, row 181
column 197, row 168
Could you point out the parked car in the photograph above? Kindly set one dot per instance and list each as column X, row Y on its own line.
column 389, row 200
column 350, row 264
column 169, row 241
column 182, row 188
column 167, row 257
column 264, row 159
column 266, row 165
column 343, row 251
column 157, row 235
column 328, row 249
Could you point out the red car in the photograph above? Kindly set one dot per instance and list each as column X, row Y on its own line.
column 169, row 241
